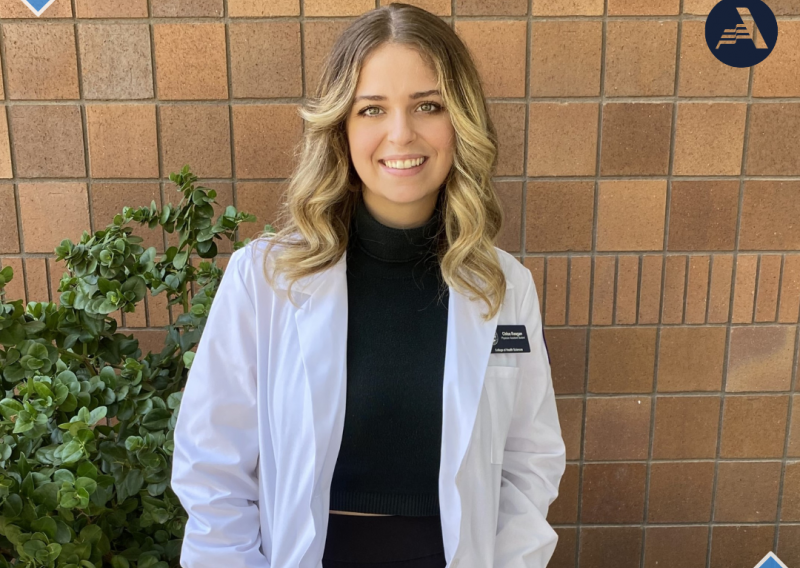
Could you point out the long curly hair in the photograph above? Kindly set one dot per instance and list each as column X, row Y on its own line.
column 320, row 201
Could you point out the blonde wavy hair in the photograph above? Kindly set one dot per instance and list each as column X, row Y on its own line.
column 320, row 201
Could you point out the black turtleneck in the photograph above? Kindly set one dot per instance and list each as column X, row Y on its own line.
column 388, row 462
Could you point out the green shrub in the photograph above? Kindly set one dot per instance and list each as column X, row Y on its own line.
column 86, row 435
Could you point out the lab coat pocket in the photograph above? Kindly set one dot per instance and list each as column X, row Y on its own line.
column 501, row 387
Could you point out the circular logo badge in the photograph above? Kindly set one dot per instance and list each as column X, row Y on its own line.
column 741, row 33
column 495, row 339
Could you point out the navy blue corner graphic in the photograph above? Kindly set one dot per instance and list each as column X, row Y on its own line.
column 741, row 33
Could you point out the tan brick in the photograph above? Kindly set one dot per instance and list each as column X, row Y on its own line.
column 264, row 138
column 52, row 212
column 720, row 295
column 640, row 57
column 498, row 48
column 603, row 290
column 697, row 288
column 709, row 138
column 265, row 59
column 779, row 74
column 773, row 147
column 9, row 238
column 770, row 210
column 187, row 8
column 568, row 8
column 761, row 358
column 643, row 7
column 122, row 140
column 627, row 289
column 263, row 8
column 197, row 135
column 556, row 291
column 621, row 360
column 115, row 61
column 40, row 61
column 557, row 130
column 111, row 8
column 108, row 199
column 702, row 214
column 701, row 73
column 490, row 7
column 261, row 199
column 191, row 61
column 650, row 292
column 315, row 8
column 318, row 39
column 675, row 278
column 15, row 289
column 5, row 146
column 579, row 289
column 745, row 288
column 48, row 140
column 630, row 215
column 691, row 359
column 566, row 58
column 769, row 275
column 790, row 290
column 509, row 121
column 438, row 7
column 510, row 193
column 36, row 280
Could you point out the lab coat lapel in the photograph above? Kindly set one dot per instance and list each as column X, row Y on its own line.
column 322, row 331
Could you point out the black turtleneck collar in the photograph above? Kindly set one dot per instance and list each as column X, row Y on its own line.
column 391, row 244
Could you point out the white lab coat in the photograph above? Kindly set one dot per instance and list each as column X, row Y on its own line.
column 262, row 415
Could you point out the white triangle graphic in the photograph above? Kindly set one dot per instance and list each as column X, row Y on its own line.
column 34, row 10
column 771, row 555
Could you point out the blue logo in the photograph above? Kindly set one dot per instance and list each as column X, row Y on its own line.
column 741, row 33
column 771, row 561
column 38, row 6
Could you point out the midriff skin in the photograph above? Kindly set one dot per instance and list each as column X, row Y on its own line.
column 359, row 514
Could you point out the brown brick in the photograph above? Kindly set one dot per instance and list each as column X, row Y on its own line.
column 794, row 434
column 660, row 549
column 789, row 544
column 571, row 410
column 754, row 426
column 15, row 289
column 627, row 284
column 9, row 238
column 697, row 288
column 643, row 7
column 122, row 140
column 264, row 138
column 263, row 8
column 48, row 140
column 770, row 211
column 779, row 75
column 773, row 147
column 680, row 492
column 686, row 427
column 555, row 307
column 617, row 428
column 691, row 359
column 318, row 39
column 491, row 7
column 36, row 280
column 769, row 274
column 640, row 57
column 747, row 492
column 438, row 7
column 761, row 358
column 630, row 215
column 613, row 492
column 111, row 8
column 498, row 48
column 565, row 508
column 605, row 268
column 17, row 9
column 720, row 295
column 509, row 121
column 52, row 212
column 566, row 58
column 5, row 146
column 567, row 347
column 265, row 59
column 536, row 266
column 702, row 214
column 650, row 292
column 701, row 73
column 187, row 8
column 557, row 130
column 40, row 61
column 568, row 8
column 790, row 509
column 745, row 288
column 559, row 215
column 610, row 547
column 621, row 360
column 190, row 61
column 709, row 138
column 261, row 199
column 674, row 281
column 580, row 272
column 115, row 61
column 739, row 546
column 790, row 289
column 510, row 193
column 566, row 547
column 108, row 199
column 197, row 135
column 636, row 139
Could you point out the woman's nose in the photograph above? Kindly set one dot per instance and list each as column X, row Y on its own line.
column 401, row 129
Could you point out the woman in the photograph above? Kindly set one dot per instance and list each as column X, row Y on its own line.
column 375, row 417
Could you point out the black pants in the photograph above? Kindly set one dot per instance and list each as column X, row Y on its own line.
column 395, row 541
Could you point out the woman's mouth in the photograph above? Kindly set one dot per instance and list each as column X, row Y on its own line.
column 403, row 171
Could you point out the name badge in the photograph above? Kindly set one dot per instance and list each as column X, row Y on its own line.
column 511, row 339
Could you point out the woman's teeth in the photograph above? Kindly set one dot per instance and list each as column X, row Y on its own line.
column 403, row 164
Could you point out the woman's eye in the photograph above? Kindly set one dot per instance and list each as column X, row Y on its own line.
column 436, row 107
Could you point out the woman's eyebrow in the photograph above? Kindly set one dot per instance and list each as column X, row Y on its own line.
column 413, row 96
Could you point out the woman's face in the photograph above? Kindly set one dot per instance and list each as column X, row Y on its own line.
column 401, row 118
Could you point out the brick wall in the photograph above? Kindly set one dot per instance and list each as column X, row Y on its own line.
column 653, row 192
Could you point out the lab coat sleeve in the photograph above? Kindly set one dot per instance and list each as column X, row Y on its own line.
column 216, row 436
column 534, row 456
